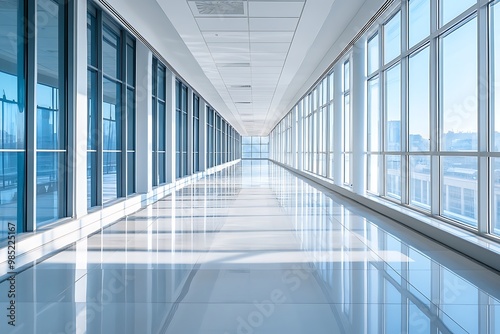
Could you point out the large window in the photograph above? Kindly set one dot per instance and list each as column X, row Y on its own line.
column 159, row 123
column 210, row 137
column 13, row 120
column 111, row 111
column 255, row 148
column 432, row 112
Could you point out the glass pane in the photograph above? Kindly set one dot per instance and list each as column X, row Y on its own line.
column 419, row 17
column 495, row 228
column 130, row 119
column 450, row 9
column 50, row 187
column 373, row 54
column 347, row 169
column 347, row 123
column 50, row 60
column 161, row 168
column 495, row 74
column 420, row 180
column 92, row 121
column 91, row 40
column 419, row 101
column 161, row 127
column 392, row 38
column 111, row 176
column 347, row 76
column 459, row 89
column 459, row 189
column 110, row 53
column 393, row 109
column 373, row 115
column 131, row 173
column 91, row 179
column 12, row 126
column 12, row 191
column 161, row 82
column 373, row 173
column 111, row 114
column 130, row 65
column 393, row 176
column 178, row 131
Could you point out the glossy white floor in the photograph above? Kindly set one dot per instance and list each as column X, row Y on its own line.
column 254, row 250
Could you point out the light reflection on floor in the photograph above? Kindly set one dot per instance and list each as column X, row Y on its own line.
column 253, row 249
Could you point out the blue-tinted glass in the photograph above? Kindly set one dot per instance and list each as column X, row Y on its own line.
column 419, row 101
column 111, row 171
column 178, row 165
column 184, row 132
column 161, row 82
column 459, row 193
column 131, row 119
column 420, row 181
column 111, row 114
column 50, row 187
column 178, row 131
column 393, row 176
column 495, row 73
column 495, row 198
column 459, row 89
column 50, row 56
column 12, row 191
column 419, row 21
column 450, row 9
column 91, row 179
column 373, row 56
column 130, row 64
column 392, row 38
column 93, row 134
column 12, row 117
column 161, row 168
column 161, row 126
column 110, row 53
column 393, row 109
column 91, row 40
column 131, row 173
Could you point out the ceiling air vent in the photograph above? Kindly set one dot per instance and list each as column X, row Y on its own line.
column 220, row 7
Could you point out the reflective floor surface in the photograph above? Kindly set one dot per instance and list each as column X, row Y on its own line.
column 254, row 249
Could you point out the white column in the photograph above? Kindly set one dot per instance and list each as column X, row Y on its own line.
column 144, row 111
column 358, row 101
column 80, row 111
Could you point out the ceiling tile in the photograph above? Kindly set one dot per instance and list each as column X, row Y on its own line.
column 269, row 47
column 271, row 36
column 274, row 9
column 222, row 24
column 231, row 57
column 265, row 56
column 226, row 37
column 273, row 24
column 228, row 47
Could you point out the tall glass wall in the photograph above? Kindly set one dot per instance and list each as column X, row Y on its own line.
column 255, row 148
column 111, row 110
column 430, row 117
column 159, row 172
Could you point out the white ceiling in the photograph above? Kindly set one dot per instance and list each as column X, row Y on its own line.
column 251, row 60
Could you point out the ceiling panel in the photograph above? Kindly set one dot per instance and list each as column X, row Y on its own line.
column 265, row 56
column 231, row 57
column 226, row 37
column 228, row 47
column 222, row 24
column 274, row 9
column 269, row 47
column 271, row 36
column 273, row 24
